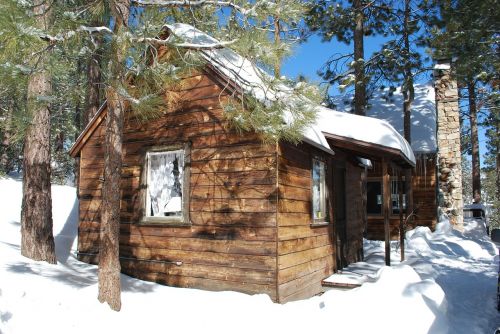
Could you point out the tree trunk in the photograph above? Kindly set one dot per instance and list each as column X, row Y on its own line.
column 109, row 261
column 497, row 166
column 359, row 65
column 37, row 240
column 277, row 41
column 93, row 98
column 408, row 88
column 476, row 168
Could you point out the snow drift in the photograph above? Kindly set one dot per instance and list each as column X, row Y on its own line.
column 62, row 298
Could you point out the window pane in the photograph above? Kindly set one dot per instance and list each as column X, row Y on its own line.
column 165, row 178
column 374, row 197
column 319, row 189
column 395, row 186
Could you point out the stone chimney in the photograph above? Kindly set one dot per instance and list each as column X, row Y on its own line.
column 448, row 141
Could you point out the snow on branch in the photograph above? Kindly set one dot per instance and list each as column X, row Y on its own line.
column 194, row 46
column 71, row 33
column 195, row 3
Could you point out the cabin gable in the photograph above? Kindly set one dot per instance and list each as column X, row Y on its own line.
column 229, row 242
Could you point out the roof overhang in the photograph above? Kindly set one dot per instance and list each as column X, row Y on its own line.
column 88, row 131
column 372, row 151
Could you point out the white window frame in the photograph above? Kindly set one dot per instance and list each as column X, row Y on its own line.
column 183, row 218
column 320, row 216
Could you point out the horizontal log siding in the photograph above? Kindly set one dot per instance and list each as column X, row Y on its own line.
column 424, row 197
column 305, row 253
column 231, row 242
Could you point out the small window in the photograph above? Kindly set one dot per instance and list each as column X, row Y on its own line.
column 395, row 187
column 165, row 185
column 319, row 206
column 374, row 197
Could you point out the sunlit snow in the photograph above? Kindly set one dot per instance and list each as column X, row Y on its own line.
column 447, row 285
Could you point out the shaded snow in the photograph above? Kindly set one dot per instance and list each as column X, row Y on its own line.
column 389, row 107
column 447, row 285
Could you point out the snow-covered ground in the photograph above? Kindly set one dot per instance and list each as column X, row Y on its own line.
column 447, row 285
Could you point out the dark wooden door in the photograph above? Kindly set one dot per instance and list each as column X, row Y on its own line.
column 339, row 186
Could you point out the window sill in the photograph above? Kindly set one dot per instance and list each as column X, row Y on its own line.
column 164, row 221
column 319, row 224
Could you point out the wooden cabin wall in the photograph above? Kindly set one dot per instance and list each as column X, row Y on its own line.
column 231, row 241
column 424, row 198
column 425, row 191
column 355, row 227
column 305, row 253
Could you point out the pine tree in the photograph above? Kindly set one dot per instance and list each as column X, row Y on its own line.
column 37, row 240
column 349, row 22
column 467, row 33
column 136, row 80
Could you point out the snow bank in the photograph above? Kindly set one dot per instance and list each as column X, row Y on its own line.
column 472, row 243
column 38, row 297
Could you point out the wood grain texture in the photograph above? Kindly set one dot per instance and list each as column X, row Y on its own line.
column 230, row 243
column 305, row 253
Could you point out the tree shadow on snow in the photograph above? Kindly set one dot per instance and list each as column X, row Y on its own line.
column 64, row 240
column 61, row 273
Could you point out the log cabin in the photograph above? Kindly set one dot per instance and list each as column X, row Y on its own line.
column 422, row 193
column 208, row 207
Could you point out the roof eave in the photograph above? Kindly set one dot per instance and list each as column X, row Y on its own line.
column 87, row 132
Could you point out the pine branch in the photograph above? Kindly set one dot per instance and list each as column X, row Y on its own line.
column 194, row 3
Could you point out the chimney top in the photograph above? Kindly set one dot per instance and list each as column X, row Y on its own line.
column 442, row 63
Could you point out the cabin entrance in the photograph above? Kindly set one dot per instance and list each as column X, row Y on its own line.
column 339, row 186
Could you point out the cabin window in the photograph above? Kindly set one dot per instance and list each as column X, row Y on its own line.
column 319, row 206
column 374, row 197
column 395, row 187
column 166, row 186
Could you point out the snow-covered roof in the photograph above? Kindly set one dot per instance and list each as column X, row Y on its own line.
column 364, row 129
column 390, row 108
column 255, row 81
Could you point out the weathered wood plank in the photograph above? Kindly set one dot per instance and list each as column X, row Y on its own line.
column 233, row 152
column 205, row 284
column 189, row 244
column 294, row 206
column 234, row 192
column 294, row 219
column 293, row 259
column 231, row 274
column 294, row 180
column 234, row 179
column 297, row 245
column 200, row 232
column 297, row 232
column 204, row 258
column 302, row 283
column 323, row 263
